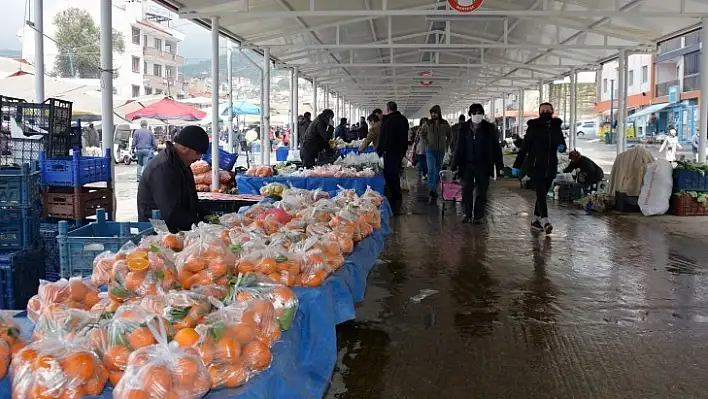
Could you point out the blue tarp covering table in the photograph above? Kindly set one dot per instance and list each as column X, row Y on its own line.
column 305, row 356
column 253, row 184
column 347, row 151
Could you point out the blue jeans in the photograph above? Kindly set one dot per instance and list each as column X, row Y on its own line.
column 435, row 163
column 144, row 157
column 422, row 164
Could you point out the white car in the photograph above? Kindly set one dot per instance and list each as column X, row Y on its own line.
column 586, row 128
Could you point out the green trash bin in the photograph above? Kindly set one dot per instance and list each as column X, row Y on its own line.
column 610, row 138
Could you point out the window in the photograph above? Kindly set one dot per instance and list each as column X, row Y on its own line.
column 145, row 67
column 169, row 47
column 145, row 40
column 692, row 38
column 136, row 91
column 157, row 70
column 645, row 73
column 589, row 124
column 670, row 45
column 169, row 71
column 148, row 91
column 158, row 44
column 692, row 63
column 136, row 36
column 157, row 91
column 136, row 64
column 630, row 78
column 604, row 85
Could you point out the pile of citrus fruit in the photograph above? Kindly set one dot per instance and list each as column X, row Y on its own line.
column 185, row 313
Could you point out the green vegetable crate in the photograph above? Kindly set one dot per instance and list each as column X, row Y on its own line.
column 689, row 204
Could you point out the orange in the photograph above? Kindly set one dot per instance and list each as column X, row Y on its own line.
column 94, row 387
column 150, row 289
column 116, row 357
column 185, row 370
column 27, row 355
column 206, row 352
column 134, row 394
column 217, row 376
column 114, row 377
column 186, row 337
column 227, row 349
column 235, row 375
column 157, row 380
column 187, row 322
column 201, row 279
column 134, row 280
column 267, row 265
column 170, row 395
column 256, row 355
column 185, row 278
column 4, row 364
column 284, row 294
column 44, row 362
column 4, row 350
column 76, row 392
column 243, row 332
column 137, row 254
column 243, row 296
column 138, row 264
column 218, row 268
column 77, row 290
column 138, row 359
column 80, row 365
column 119, row 268
column 140, row 338
column 195, row 265
column 172, row 242
column 91, row 298
column 245, row 266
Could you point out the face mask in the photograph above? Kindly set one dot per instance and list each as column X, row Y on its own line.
column 546, row 115
column 477, row 118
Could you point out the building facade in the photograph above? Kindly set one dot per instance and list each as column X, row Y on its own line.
column 150, row 63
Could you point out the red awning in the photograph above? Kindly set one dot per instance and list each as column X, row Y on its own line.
column 168, row 109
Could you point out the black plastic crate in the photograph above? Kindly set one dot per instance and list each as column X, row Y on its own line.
column 626, row 203
column 20, row 273
column 569, row 191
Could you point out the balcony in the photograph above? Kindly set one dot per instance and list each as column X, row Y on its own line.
column 662, row 89
column 691, row 83
column 164, row 84
column 163, row 56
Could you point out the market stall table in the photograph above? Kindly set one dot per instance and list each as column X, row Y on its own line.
column 220, row 203
column 353, row 150
column 332, row 185
column 305, row 356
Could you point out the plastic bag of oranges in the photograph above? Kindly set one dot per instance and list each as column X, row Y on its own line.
column 179, row 309
column 315, row 268
column 75, row 293
column 130, row 329
column 205, row 260
column 234, row 219
column 212, row 291
column 163, row 371
column 251, row 286
column 138, row 272
column 372, row 196
column 57, row 368
column 321, row 211
column 276, row 263
column 235, row 342
column 61, row 321
column 11, row 342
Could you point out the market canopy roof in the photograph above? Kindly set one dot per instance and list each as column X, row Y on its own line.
column 242, row 108
column 373, row 51
column 167, row 109
column 647, row 111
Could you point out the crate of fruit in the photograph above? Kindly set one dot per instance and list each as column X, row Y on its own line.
column 79, row 247
column 690, row 176
column 19, row 186
column 75, row 202
column 20, row 273
column 75, row 171
column 19, row 227
column 690, row 203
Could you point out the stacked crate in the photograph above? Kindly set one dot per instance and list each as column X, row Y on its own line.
column 689, row 187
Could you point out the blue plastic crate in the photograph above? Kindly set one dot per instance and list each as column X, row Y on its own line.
column 19, row 186
column 74, row 171
column 689, row 180
column 281, row 154
column 227, row 160
column 19, row 227
column 79, row 247
column 20, row 273
column 49, row 231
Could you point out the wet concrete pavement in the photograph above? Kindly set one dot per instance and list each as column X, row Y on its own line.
column 606, row 307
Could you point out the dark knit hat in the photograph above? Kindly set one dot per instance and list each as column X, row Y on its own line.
column 193, row 137
column 475, row 109
column 436, row 109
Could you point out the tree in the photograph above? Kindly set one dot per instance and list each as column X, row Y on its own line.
column 78, row 43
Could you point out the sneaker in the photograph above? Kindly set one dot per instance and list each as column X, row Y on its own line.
column 477, row 221
column 466, row 219
column 548, row 228
column 536, row 225
column 433, row 194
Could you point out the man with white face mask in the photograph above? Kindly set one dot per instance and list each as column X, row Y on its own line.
column 476, row 154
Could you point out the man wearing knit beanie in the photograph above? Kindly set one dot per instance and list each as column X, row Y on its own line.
column 167, row 184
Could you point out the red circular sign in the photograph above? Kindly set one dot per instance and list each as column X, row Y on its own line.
column 426, row 74
column 465, row 5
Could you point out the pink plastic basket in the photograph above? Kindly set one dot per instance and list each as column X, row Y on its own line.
column 450, row 189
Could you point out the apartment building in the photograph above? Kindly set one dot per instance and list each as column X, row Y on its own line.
column 150, row 63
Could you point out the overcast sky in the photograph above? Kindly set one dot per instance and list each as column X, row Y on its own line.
column 14, row 15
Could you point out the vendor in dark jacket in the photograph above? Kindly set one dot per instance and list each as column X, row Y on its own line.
column 393, row 145
column 316, row 138
column 543, row 141
column 167, row 183
column 589, row 173
column 476, row 154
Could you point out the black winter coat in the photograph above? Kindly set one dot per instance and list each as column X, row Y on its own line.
column 394, row 134
column 540, row 148
column 485, row 147
column 167, row 184
column 594, row 173
column 316, row 137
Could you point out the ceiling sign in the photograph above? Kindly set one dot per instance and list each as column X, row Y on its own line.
column 426, row 74
column 465, row 5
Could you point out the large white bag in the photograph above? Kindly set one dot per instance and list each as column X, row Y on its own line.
column 656, row 189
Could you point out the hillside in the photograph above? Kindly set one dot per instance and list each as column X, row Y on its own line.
column 241, row 68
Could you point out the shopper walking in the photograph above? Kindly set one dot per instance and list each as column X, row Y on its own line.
column 436, row 138
column 477, row 154
column 392, row 147
column 671, row 144
column 419, row 149
column 144, row 147
column 542, row 143
column 455, row 133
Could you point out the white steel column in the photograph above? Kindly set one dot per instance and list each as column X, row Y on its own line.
column 314, row 98
column 214, row 103
column 504, row 115
column 540, row 93
column 491, row 116
column 106, row 35
column 229, row 79
column 573, row 108
column 326, row 97
column 622, row 101
column 703, row 116
column 520, row 119
column 336, row 105
column 39, row 51
column 265, row 130
column 296, row 111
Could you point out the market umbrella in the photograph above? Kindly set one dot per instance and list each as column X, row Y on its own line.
column 242, row 108
column 167, row 109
